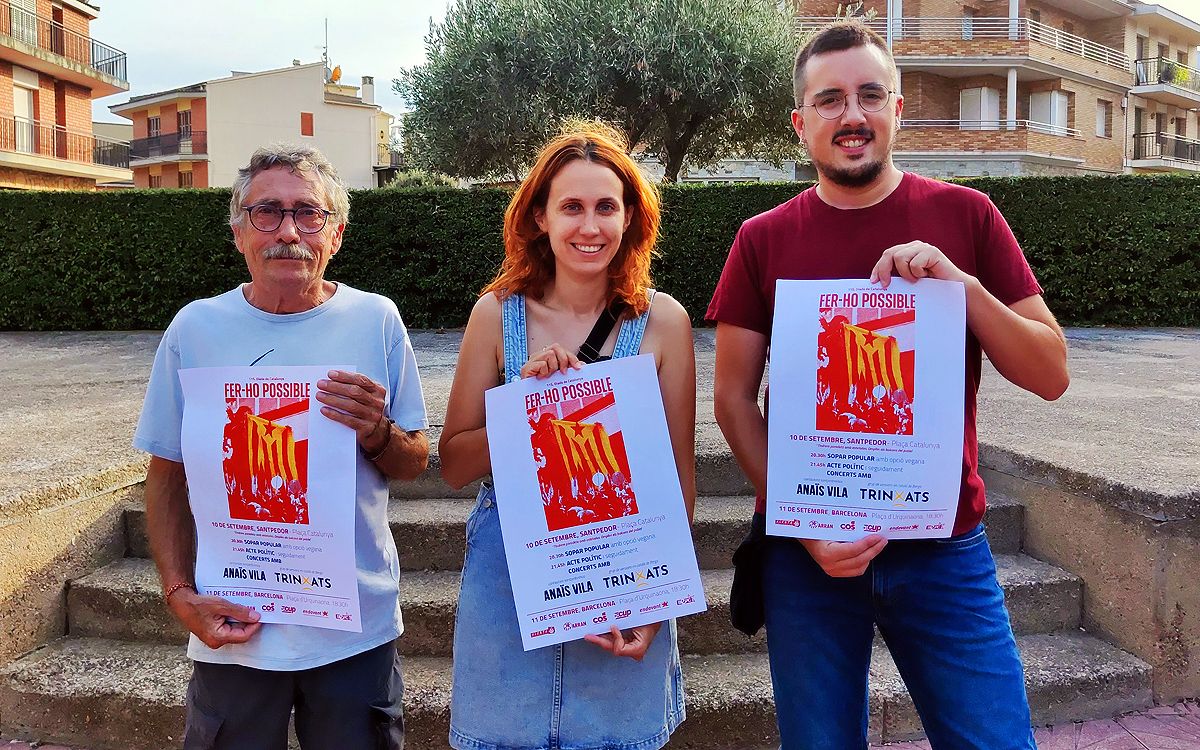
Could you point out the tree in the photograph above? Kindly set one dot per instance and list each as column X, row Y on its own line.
column 690, row 81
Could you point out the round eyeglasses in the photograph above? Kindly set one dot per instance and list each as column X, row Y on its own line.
column 268, row 218
column 831, row 104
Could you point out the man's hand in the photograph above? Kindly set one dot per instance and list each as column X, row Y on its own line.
column 205, row 617
column 357, row 402
column 915, row 260
column 845, row 559
column 634, row 647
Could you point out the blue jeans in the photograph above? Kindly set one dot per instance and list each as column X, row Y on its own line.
column 938, row 606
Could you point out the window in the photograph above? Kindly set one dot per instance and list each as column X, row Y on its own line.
column 185, row 179
column 1048, row 112
column 153, row 127
column 968, row 22
column 184, row 122
column 1164, row 52
column 1068, row 27
column 1143, row 47
column 1035, row 15
column 1104, row 118
column 306, row 123
column 155, row 180
column 1139, row 120
column 1160, row 122
column 1181, row 57
column 979, row 109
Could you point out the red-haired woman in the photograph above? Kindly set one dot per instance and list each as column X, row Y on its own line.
column 578, row 236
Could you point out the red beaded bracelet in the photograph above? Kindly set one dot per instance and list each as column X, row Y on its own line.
column 175, row 587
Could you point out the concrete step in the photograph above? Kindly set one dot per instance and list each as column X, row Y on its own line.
column 430, row 533
column 717, row 473
column 117, row 695
column 122, row 601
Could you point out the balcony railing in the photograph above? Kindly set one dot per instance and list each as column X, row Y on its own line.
column 1165, row 146
column 44, row 33
column 24, row 136
column 386, row 157
column 1156, row 70
column 968, row 29
column 1032, row 126
column 169, row 144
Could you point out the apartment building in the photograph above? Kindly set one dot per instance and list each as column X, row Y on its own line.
column 200, row 135
column 50, row 71
column 1019, row 87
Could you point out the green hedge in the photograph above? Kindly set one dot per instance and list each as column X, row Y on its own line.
column 1108, row 250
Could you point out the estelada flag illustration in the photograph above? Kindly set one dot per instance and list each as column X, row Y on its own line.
column 266, row 466
column 583, row 468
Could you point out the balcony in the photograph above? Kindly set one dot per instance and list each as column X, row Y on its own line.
column 1015, row 139
column 1165, row 152
column 1167, row 81
column 45, row 147
column 388, row 158
column 40, row 43
column 987, row 38
column 186, row 146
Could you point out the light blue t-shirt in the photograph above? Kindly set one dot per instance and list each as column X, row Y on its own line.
column 350, row 328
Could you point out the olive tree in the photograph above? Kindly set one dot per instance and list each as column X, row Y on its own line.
column 689, row 82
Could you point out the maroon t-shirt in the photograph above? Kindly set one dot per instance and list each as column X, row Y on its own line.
column 806, row 238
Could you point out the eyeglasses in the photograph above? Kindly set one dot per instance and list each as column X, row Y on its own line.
column 831, row 104
column 268, row 218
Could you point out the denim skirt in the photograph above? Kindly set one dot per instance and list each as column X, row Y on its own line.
column 571, row 696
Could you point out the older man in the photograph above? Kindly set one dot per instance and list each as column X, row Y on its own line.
column 288, row 214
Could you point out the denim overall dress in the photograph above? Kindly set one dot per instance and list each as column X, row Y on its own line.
column 571, row 696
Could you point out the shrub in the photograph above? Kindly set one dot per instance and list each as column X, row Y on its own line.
column 1108, row 250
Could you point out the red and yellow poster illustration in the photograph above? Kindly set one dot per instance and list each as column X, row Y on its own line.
column 583, row 471
column 266, row 459
column 865, row 367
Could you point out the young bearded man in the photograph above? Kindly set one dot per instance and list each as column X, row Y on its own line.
column 936, row 603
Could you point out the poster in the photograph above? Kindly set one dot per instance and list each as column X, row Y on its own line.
column 865, row 433
column 594, row 525
column 272, row 487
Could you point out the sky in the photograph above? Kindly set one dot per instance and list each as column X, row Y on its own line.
column 168, row 48
column 171, row 45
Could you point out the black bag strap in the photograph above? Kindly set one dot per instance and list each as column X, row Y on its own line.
column 589, row 351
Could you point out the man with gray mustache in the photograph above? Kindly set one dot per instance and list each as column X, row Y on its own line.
column 288, row 214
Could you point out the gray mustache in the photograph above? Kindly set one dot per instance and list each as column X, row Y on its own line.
column 288, row 252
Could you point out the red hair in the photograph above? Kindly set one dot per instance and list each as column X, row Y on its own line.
column 528, row 265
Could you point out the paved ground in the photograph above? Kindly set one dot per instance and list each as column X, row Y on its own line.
column 71, row 401
column 1161, row 728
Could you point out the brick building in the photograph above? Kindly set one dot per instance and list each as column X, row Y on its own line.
column 1016, row 87
column 50, row 71
column 199, row 135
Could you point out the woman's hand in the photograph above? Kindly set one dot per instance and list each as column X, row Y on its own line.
column 635, row 646
column 551, row 359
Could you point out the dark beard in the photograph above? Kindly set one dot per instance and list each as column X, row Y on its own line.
column 854, row 177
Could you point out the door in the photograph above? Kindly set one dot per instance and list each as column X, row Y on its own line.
column 57, row 36
column 24, row 20
column 23, row 119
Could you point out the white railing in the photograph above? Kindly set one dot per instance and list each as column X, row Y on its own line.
column 968, row 29
column 1030, row 125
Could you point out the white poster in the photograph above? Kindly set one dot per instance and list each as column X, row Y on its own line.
column 865, row 433
column 272, row 487
column 591, row 512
